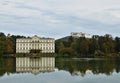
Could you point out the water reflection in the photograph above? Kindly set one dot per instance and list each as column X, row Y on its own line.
column 7, row 65
column 35, row 65
column 75, row 66
column 83, row 66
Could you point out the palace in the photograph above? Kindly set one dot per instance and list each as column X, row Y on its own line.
column 45, row 45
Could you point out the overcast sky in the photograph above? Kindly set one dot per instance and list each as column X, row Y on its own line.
column 57, row 18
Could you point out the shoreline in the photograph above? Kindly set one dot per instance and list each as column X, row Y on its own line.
column 29, row 55
column 57, row 55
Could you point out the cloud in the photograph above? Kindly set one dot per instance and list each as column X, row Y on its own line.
column 59, row 17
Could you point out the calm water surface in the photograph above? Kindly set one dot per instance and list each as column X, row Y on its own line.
column 59, row 70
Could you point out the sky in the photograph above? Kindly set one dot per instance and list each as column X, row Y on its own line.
column 58, row 18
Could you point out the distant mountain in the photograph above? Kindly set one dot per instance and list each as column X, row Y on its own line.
column 64, row 38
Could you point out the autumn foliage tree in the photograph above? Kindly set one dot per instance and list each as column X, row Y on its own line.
column 6, row 44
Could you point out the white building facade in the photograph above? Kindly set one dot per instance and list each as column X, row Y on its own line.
column 80, row 34
column 46, row 45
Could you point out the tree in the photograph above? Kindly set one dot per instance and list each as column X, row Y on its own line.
column 106, row 44
column 70, row 40
column 2, row 34
column 68, row 51
column 9, row 45
column 2, row 45
column 58, row 45
column 82, row 46
column 6, row 44
column 117, row 44
column 94, row 46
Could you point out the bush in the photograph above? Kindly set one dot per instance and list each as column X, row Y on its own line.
column 66, row 51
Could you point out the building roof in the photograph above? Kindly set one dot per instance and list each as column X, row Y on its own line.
column 36, row 37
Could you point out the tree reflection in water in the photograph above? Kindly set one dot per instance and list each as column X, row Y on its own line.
column 7, row 65
column 76, row 66
column 82, row 66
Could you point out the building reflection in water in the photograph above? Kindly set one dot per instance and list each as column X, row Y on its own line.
column 35, row 65
column 74, row 73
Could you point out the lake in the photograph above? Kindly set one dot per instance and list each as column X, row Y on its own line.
column 59, row 70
